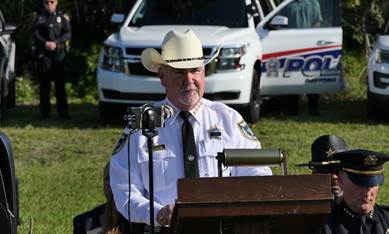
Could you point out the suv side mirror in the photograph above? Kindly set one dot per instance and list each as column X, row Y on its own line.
column 117, row 18
column 279, row 21
column 8, row 28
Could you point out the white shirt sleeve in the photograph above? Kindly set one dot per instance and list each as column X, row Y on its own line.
column 242, row 137
column 140, row 204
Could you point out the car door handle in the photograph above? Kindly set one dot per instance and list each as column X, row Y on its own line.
column 322, row 42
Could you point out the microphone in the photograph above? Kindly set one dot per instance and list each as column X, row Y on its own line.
column 247, row 157
column 149, row 115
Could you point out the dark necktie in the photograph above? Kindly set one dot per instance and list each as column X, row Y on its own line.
column 188, row 141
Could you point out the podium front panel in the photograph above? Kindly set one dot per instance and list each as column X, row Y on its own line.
column 252, row 205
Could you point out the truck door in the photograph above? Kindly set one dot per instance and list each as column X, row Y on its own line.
column 301, row 48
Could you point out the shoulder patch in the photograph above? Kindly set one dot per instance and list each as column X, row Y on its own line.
column 120, row 143
column 66, row 17
column 246, row 131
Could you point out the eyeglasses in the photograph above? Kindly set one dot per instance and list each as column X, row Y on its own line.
column 51, row 2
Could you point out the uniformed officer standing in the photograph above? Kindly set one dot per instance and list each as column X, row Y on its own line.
column 304, row 14
column 322, row 162
column 212, row 126
column 51, row 33
column 358, row 213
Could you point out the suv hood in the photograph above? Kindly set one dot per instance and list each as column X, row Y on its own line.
column 383, row 42
column 152, row 36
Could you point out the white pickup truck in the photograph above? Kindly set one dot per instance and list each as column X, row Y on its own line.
column 263, row 51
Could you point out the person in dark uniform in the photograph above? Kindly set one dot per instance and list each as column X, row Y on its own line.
column 360, row 177
column 51, row 34
column 323, row 163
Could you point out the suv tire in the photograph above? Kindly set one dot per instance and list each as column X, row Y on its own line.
column 251, row 113
column 372, row 111
column 105, row 110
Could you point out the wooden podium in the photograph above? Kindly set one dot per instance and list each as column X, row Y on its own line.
column 248, row 205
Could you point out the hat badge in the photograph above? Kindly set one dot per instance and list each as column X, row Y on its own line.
column 330, row 152
column 371, row 160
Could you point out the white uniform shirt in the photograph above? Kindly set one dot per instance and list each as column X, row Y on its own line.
column 209, row 120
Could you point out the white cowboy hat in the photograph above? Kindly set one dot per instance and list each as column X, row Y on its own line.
column 179, row 50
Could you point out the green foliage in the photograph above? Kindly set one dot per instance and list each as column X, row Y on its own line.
column 370, row 21
column 82, row 71
column 25, row 91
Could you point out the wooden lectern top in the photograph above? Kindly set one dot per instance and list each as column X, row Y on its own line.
column 277, row 204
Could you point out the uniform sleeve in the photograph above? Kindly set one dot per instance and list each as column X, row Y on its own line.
column 244, row 138
column 316, row 11
column 66, row 31
column 140, row 204
column 38, row 39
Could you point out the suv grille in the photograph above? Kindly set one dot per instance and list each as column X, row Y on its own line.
column 381, row 80
column 385, row 56
column 136, row 68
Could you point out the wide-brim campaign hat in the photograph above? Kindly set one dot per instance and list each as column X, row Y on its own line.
column 322, row 150
column 178, row 50
column 363, row 167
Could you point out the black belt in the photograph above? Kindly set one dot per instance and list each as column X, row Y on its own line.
column 157, row 230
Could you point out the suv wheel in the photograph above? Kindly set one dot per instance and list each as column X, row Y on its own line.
column 372, row 112
column 251, row 113
column 12, row 93
column 105, row 112
column 3, row 107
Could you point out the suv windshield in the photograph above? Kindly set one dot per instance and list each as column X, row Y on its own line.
column 229, row 13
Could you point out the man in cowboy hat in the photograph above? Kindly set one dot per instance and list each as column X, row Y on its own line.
column 322, row 162
column 188, row 144
column 361, row 175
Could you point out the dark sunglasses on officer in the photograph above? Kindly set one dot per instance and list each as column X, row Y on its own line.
column 49, row 2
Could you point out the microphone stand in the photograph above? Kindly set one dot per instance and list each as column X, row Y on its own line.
column 145, row 118
column 149, row 130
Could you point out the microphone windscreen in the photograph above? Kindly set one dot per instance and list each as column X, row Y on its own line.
column 247, row 157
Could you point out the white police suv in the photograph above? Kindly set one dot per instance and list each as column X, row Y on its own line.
column 7, row 66
column 378, row 78
column 266, row 50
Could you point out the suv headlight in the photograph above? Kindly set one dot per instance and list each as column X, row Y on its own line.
column 112, row 59
column 378, row 56
column 229, row 58
column 381, row 56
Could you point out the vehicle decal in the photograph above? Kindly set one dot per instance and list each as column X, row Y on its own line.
column 298, row 51
column 311, row 65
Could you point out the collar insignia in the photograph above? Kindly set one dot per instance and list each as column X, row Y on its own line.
column 59, row 19
column 371, row 213
column 348, row 212
column 215, row 133
column 371, row 160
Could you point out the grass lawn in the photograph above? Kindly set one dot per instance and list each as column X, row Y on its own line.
column 59, row 163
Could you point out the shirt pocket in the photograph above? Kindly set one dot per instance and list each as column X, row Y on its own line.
column 208, row 150
column 164, row 169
